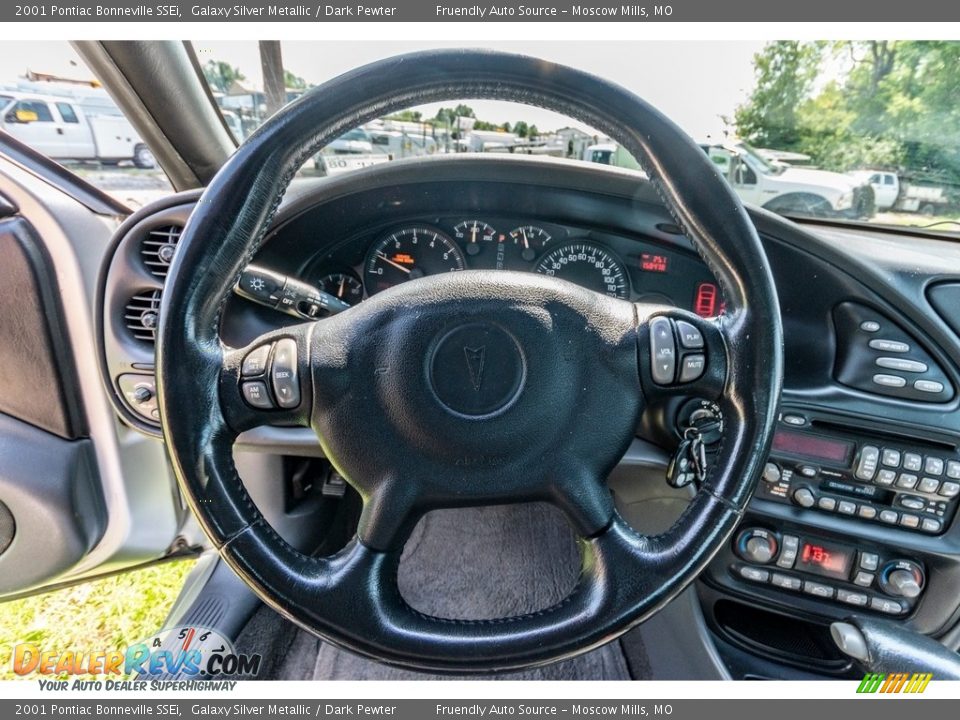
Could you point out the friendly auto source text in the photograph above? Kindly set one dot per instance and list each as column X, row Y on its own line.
column 573, row 11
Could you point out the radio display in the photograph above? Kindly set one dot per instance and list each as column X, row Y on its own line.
column 833, row 561
column 813, row 447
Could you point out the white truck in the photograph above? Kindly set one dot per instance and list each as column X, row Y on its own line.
column 773, row 185
column 895, row 193
column 63, row 129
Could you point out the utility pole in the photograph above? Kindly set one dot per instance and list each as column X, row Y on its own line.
column 274, row 87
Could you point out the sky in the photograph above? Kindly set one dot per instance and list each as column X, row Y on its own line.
column 695, row 83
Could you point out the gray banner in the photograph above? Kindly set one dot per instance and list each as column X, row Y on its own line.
column 882, row 708
column 498, row 11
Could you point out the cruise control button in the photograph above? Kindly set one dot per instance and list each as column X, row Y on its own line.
column 785, row 581
column 692, row 367
column 894, row 346
column 885, row 605
column 893, row 381
column 255, row 394
column 255, row 363
column 950, row 489
column 907, row 481
column 928, row 485
column 285, row 375
column 818, row 589
column 912, row 462
column 902, row 364
column 890, row 458
column 754, row 574
column 690, row 336
column 663, row 351
column 852, row 598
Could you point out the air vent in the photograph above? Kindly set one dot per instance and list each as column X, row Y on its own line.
column 157, row 248
column 141, row 314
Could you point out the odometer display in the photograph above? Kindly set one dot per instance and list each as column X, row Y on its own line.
column 589, row 266
column 408, row 254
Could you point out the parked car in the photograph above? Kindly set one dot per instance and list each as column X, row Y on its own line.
column 895, row 193
column 62, row 129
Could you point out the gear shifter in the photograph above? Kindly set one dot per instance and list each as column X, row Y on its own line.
column 885, row 647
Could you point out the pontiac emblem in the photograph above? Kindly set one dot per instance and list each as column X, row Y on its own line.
column 475, row 357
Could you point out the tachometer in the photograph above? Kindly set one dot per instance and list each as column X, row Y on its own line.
column 408, row 254
column 589, row 265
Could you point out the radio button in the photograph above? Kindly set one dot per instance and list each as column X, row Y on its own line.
column 804, row 497
column 754, row 574
column 902, row 364
column 928, row 386
column 889, row 516
column 953, row 469
column 818, row 589
column 869, row 561
column 913, row 503
column 931, row 525
column 867, row 464
column 890, row 458
column 808, row 471
column 785, row 581
column 950, row 489
column 852, row 598
column 771, row 473
column 885, row 477
column 909, row 521
column 894, row 346
column 867, row 512
column 863, row 579
column 884, row 605
column 827, row 503
column 847, row 508
column 933, row 466
column 907, row 481
column 912, row 461
column 928, row 485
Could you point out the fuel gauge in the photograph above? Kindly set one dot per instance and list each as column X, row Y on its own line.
column 529, row 240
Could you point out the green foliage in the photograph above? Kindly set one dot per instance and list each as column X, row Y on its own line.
column 408, row 116
column 893, row 104
column 220, row 75
column 294, row 82
column 521, row 128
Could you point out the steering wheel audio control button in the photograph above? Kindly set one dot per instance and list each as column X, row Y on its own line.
column 692, row 367
column 255, row 394
column 255, row 363
column 690, row 337
column 284, row 374
column 663, row 351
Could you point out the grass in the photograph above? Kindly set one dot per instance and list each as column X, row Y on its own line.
column 107, row 614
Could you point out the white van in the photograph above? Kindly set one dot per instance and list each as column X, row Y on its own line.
column 62, row 129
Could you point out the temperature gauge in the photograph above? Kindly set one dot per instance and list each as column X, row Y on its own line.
column 344, row 285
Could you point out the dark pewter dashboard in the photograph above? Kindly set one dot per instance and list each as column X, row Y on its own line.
column 856, row 510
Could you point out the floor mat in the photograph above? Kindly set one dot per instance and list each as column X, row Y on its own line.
column 475, row 563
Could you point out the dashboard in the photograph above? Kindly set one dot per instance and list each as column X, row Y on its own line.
column 856, row 511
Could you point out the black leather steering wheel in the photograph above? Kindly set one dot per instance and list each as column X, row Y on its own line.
column 470, row 388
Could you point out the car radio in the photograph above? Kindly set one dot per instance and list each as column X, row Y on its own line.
column 897, row 482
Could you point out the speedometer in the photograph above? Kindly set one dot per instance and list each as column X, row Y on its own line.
column 588, row 265
column 408, row 254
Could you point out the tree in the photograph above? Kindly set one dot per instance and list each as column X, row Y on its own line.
column 785, row 71
column 532, row 132
column 521, row 128
column 294, row 82
column 505, row 127
column 220, row 75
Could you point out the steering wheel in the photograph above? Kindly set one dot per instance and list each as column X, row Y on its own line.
column 468, row 388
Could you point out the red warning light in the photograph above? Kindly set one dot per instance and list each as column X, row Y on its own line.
column 705, row 300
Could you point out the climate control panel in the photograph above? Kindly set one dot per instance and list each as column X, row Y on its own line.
column 861, row 577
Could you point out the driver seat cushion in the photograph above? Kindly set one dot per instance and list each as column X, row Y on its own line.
column 468, row 563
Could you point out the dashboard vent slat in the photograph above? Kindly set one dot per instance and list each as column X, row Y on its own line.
column 141, row 314
column 157, row 248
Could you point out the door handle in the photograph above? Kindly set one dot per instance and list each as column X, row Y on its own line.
column 59, row 131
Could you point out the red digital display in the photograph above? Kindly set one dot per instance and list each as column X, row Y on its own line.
column 827, row 560
column 813, row 447
column 706, row 300
column 650, row 262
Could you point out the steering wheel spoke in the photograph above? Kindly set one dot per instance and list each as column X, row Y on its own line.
column 268, row 382
column 681, row 353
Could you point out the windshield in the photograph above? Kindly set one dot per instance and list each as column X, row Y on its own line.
column 758, row 162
